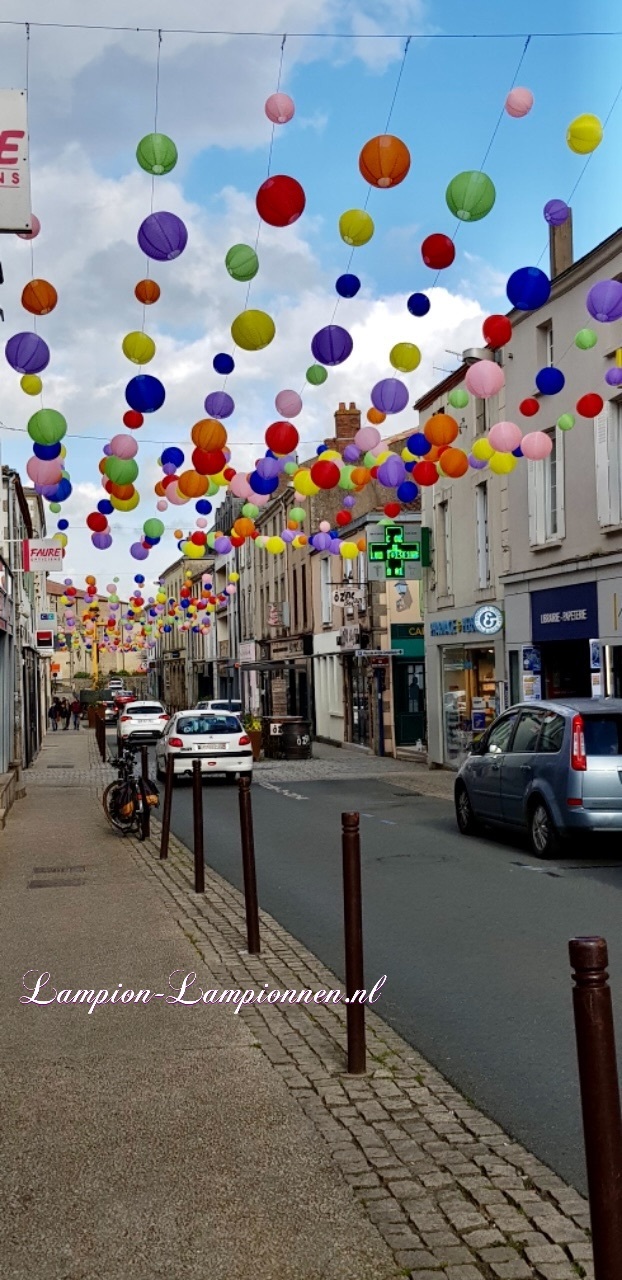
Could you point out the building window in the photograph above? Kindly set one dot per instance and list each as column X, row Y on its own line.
column 545, row 490
column 608, row 459
column 326, row 602
column 295, row 595
column 303, row 581
column 483, row 550
column 481, row 420
column 443, row 542
column 545, row 351
column 551, row 496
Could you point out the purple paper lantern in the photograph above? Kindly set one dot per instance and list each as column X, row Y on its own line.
column 390, row 395
column 351, row 453
column 219, row 405
column 321, row 541
column 477, row 464
column 604, row 301
column 332, row 345
column 335, row 546
column 102, row 541
column 162, row 236
column 391, row 472
column 349, row 500
column 222, row 546
column 138, row 552
column 27, row 353
column 268, row 467
column 613, row 377
column 556, row 212
column 288, row 535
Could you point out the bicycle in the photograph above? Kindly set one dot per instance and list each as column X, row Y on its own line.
column 124, row 800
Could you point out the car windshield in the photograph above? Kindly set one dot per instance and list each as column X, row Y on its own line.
column 207, row 724
column 603, row 735
column 151, row 710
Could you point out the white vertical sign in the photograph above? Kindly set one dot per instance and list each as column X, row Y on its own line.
column 15, row 213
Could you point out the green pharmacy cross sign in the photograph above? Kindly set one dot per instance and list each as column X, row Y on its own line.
column 394, row 553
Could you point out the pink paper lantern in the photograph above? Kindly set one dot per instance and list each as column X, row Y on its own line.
column 505, row 437
column 41, row 471
column 162, row 505
column 279, row 108
column 240, row 487
column 536, row 445
column 288, row 404
column 30, row 235
column 519, row 102
column 484, row 379
column 367, row 438
column 123, row 446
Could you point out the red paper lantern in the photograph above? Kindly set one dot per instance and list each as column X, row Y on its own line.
column 343, row 517
column 208, row 462
column 96, row 522
column 424, row 473
column 198, row 537
column 236, row 540
column 392, row 509
column 132, row 419
column 497, row 330
column 229, row 473
column 168, row 480
column 280, row 201
column 590, row 405
column 438, row 251
column 529, row 407
column 282, row 438
column 325, row 474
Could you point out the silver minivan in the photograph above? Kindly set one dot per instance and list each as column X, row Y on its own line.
column 552, row 768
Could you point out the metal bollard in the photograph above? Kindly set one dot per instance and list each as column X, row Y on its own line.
column 144, row 771
column 600, row 1101
column 168, row 804
column 197, row 812
column 353, row 931
column 248, row 865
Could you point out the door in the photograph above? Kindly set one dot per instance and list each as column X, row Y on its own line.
column 484, row 769
column 409, row 702
column 518, row 764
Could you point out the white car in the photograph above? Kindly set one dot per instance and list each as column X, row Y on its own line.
column 115, row 682
column 216, row 738
column 141, row 722
column 233, row 705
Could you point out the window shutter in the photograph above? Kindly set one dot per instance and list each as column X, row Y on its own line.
column 560, row 444
column 601, row 455
column 535, row 497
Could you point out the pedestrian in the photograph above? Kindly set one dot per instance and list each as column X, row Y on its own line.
column 53, row 716
column 65, row 713
column 75, row 711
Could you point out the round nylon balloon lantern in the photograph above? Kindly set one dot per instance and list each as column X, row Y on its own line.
column 207, row 434
column 536, row 445
column 497, row 330
column 405, row 357
column 440, row 429
column 147, row 292
column 384, row 161
column 529, row 407
column 590, row 405
column 438, row 251
column 470, row 195
column 223, row 363
column 356, row 227
column 331, row 345
column 376, row 417
column 46, row 451
column 425, row 474
column 96, row 522
column 153, row 528
column 102, row 541
column 138, row 347
column 138, row 552
column 132, row 419
column 458, row 398
column 347, row 286
column 172, row 455
column 279, row 108
column 519, row 102
column 121, row 470
column 613, row 377
column 242, row 262
column 280, row 201
column 550, row 381
column 482, row 450
column 156, row 153
column 484, row 379
column 27, row 353
column 504, row 437
column 208, row 462
column 418, row 444
column 192, row 485
column 367, row 437
column 604, row 301
column 39, row 297
column 145, row 393
column 585, row 339
column 566, row 422
column 325, row 474
column 453, row 463
column 31, row 384
column 389, row 395
column 123, row 446
column 288, row 404
column 528, row 288
column 35, row 227
column 501, row 464
column 584, row 134
column 282, row 438
column 556, row 212
column 316, row 374
column 391, row 472
column 418, row 304
column 47, row 426
column 218, row 404
column 162, row 236
column 253, row 330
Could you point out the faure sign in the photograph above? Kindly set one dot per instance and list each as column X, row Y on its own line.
column 38, row 556
column 15, row 212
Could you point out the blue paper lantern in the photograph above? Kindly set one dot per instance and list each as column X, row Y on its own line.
column 47, row 452
column 517, row 453
column 105, row 507
column 173, row 456
column 418, row 304
column 347, row 286
column 263, row 484
column 223, row 363
column 407, row 491
column 550, row 380
column 528, row 288
column 203, row 507
column 63, row 524
column 418, row 444
column 145, row 394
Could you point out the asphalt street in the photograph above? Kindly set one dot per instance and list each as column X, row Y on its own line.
column 471, row 933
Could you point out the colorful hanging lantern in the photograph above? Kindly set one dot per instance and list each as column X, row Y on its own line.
column 145, row 393
column 147, row 292
column 470, row 195
column 584, row 134
column 156, row 154
column 384, row 161
column 253, row 330
column 438, row 251
column 39, row 297
column 27, row 353
column 280, row 201
column 242, row 262
column 528, row 288
column 279, row 108
column 138, row 347
column 332, row 345
column 356, row 227
column 162, row 236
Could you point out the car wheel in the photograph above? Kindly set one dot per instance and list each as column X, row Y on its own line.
column 231, row 779
column 465, row 818
column 543, row 835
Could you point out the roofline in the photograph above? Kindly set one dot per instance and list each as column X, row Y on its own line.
column 453, row 380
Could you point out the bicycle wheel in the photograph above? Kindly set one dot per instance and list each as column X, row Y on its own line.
column 108, row 802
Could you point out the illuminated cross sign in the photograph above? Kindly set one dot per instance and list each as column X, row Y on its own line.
column 394, row 552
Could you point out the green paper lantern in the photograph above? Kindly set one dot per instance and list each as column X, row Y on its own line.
column 291, row 468
column 250, row 510
column 212, row 489
column 253, row 330
column 316, row 374
column 121, row 470
column 458, row 399
column 242, row 262
column 345, row 479
column 298, row 514
column 585, row 339
column 566, row 422
column 156, row 153
column 47, row 426
column 55, row 507
column 470, row 195
column 153, row 528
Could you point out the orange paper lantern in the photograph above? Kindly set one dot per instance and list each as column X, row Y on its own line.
column 192, row 485
column 384, row 161
column 441, row 428
column 39, row 297
column 209, row 434
column 376, row 416
column 243, row 527
column 454, row 463
column 147, row 291
column 360, row 476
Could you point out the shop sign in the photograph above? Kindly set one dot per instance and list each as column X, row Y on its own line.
column 15, row 214
column 40, row 555
column 247, row 651
column 532, row 677
column 286, row 648
column 393, row 554
column 347, row 595
column 349, row 637
column 488, row 620
column 47, row 621
column 565, row 613
column 380, row 653
column 410, row 636
column 45, row 643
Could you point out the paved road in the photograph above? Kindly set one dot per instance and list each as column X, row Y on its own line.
column 472, row 934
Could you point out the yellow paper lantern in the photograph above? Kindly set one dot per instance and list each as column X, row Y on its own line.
column 125, row 504
column 407, row 456
column 405, row 356
column 356, row 227
column 275, row 546
column 482, row 450
column 138, row 347
column 584, row 134
column 31, row 384
column 234, row 577
column 502, row 463
column 253, row 330
column 304, row 485
column 348, row 550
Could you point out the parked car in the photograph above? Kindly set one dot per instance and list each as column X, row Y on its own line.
column 122, row 697
column 552, row 768
column 221, row 704
column 141, row 722
column 115, row 682
column 216, row 738
column 106, row 700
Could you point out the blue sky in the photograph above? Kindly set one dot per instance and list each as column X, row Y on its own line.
column 91, row 100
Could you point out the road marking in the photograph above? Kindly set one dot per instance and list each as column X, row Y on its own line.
column 386, row 822
column 271, row 786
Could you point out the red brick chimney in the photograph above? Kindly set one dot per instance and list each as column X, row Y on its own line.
column 347, row 423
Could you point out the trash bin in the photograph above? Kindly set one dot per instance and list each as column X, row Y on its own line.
column 286, row 738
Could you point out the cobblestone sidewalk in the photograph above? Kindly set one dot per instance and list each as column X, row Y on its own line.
column 452, row 1195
